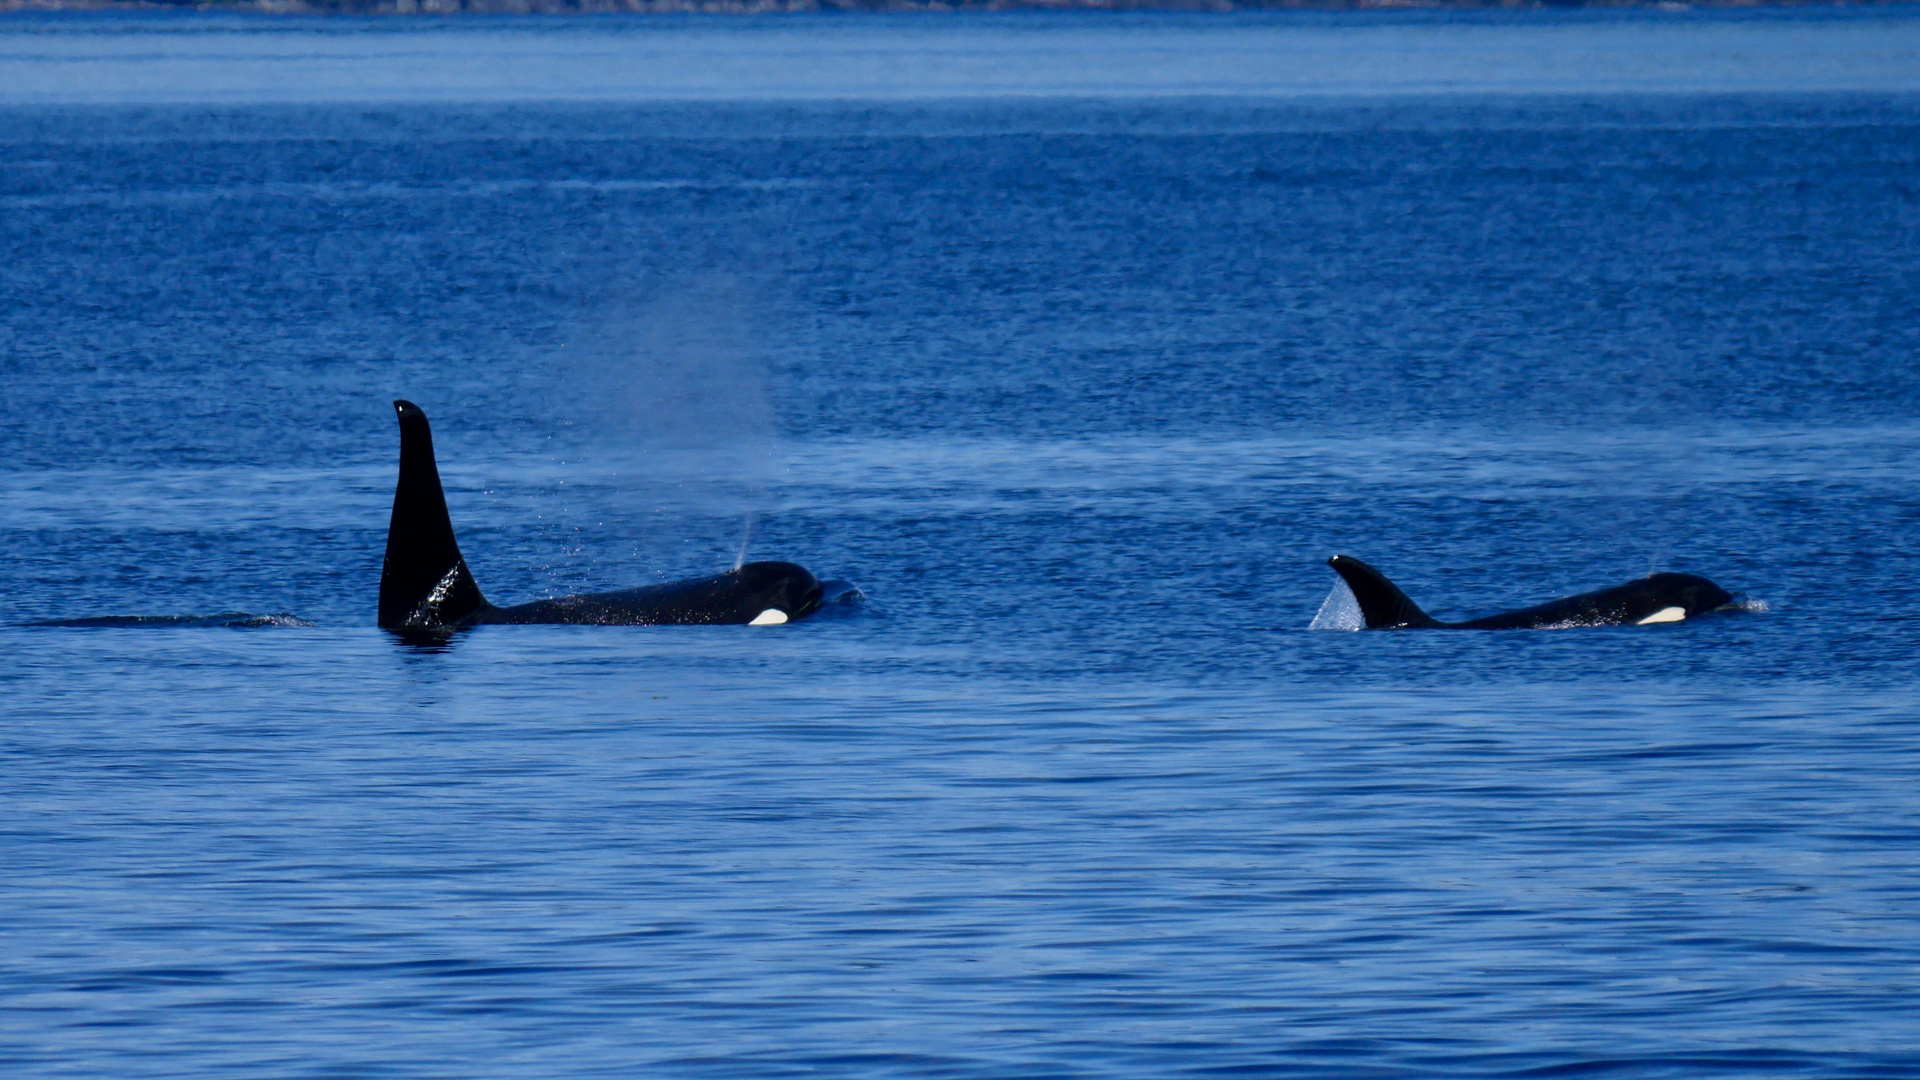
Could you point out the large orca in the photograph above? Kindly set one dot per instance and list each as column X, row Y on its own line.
column 425, row 584
column 1656, row 598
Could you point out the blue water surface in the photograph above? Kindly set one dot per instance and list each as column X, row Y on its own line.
column 1081, row 389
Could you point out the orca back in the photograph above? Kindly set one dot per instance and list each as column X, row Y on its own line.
column 1656, row 598
column 739, row 596
column 424, row 583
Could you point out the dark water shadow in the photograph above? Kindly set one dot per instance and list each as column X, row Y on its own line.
column 425, row 642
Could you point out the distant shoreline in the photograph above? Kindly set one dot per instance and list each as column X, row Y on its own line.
column 755, row 7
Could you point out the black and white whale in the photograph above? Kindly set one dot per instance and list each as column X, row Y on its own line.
column 1656, row 598
column 425, row 585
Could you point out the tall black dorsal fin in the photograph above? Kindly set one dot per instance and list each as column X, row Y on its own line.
column 424, row 584
column 1382, row 603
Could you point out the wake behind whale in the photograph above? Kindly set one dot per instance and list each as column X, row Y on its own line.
column 234, row 619
column 425, row 585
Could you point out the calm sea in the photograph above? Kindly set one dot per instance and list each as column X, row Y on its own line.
column 1078, row 343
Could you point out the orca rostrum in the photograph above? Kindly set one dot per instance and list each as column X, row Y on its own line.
column 1656, row 598
column 425, row 585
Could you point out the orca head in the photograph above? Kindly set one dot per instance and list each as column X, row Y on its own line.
column 780, row 586
column 1690, row 591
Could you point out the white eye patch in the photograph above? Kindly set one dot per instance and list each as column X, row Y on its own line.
column 1665, row 614
column 773, row 616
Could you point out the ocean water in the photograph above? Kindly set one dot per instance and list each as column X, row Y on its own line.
column 1078, row 343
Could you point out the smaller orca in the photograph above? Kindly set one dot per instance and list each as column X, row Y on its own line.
column 425, row 585
column 1656, row 598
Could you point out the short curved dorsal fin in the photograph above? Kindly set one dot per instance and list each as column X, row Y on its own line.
column 1382, row 603
column 424, row 583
